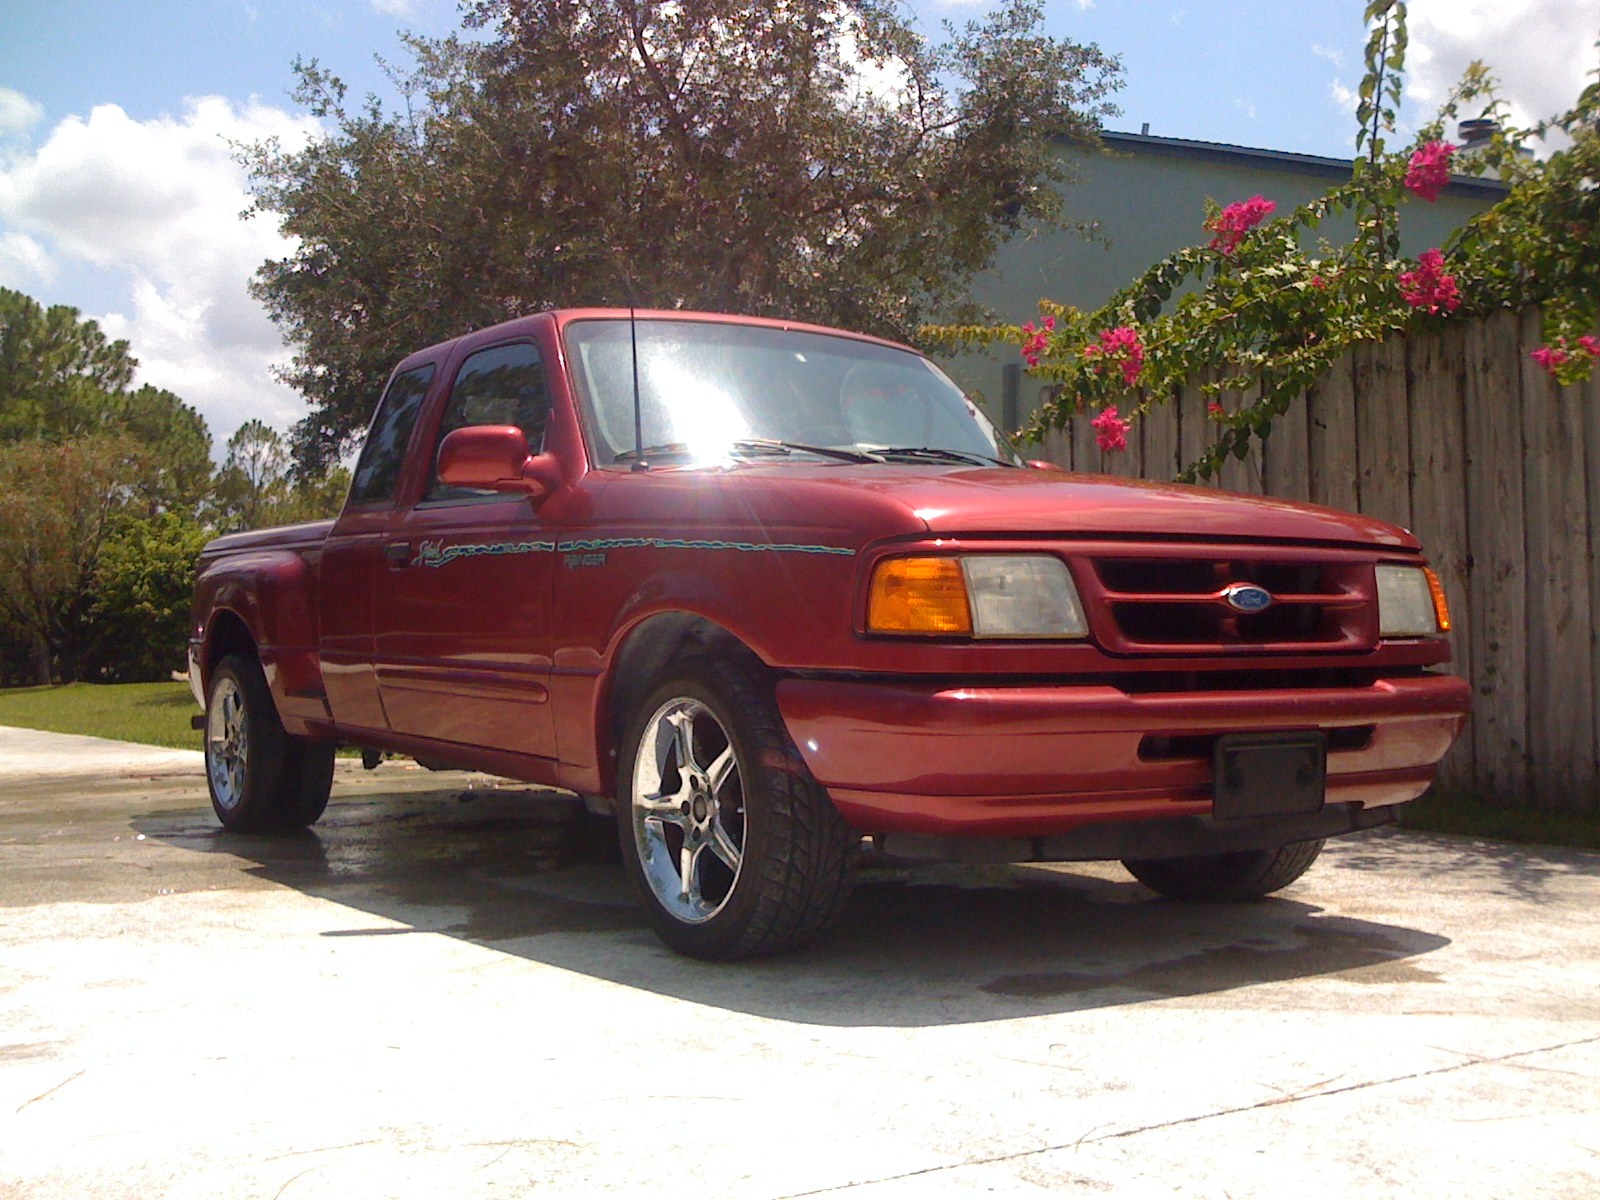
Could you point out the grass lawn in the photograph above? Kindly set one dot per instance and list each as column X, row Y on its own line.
column 156, row 714
column 1440, row 812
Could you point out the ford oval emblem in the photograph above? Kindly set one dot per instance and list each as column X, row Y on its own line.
column 1246, row 597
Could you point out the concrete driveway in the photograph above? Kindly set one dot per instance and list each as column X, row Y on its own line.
column 445, row 991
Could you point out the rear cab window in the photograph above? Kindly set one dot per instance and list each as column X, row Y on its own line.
column 378, row 469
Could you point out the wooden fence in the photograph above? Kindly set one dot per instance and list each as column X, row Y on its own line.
column 1459, row 436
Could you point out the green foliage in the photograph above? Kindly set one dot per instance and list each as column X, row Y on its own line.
column 58, row 502
column 815, row 159
column 1264, row 312
column 255, row 486
column 143, row 589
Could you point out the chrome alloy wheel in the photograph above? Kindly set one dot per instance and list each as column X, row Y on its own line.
column 227, row 743
column 688, row 810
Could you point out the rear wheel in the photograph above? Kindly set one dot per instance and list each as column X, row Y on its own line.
column 734, row 849
column 1245, row 875
column 260, row 776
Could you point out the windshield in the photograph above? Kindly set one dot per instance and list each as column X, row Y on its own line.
column 712, row 391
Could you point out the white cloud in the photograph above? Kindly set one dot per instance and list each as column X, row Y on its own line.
column 24, row 260
column 156, row 206
column 394, row 8
column 18, row 114
column 1330, row 55
column 1540, row 50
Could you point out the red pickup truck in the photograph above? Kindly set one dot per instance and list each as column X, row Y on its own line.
column 765, row 591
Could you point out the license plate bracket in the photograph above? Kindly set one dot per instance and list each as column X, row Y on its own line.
column 1269, row 774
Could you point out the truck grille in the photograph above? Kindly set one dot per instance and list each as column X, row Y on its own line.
column 1153, row 603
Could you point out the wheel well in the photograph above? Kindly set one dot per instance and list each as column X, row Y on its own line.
column 228, row 635
column 650, row 649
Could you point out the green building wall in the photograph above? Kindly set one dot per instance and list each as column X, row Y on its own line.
column 1145, row 198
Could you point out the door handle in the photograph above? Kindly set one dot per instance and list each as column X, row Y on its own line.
column 398, row 554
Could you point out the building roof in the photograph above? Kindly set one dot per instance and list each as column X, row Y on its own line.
column 1274, row 160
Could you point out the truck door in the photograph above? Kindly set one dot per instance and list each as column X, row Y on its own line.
column 463, row 613
column 352, row 558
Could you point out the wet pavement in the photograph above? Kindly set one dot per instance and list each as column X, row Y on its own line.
column 444, row 989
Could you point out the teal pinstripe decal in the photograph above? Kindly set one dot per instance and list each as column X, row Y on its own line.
column 437, row 554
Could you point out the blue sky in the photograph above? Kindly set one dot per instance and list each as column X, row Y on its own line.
column 118, row 196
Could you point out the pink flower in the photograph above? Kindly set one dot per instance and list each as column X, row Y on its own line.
column 1110, row 430
column 1233, row 222
column 1318, row 282
column 1119, row 345
column 1428, row 286
column 1429, row 170
column 1590, row 343
column 1216, row 410
column 1550, row 357
column 1037, row 340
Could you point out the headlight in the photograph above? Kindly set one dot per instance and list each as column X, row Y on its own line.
column 1411, row 603
column 978, row 595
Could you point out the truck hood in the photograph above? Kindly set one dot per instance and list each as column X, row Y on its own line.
column 958, row 501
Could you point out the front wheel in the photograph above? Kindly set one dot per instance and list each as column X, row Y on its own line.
column 734, row 849
column 1244, row 875
column 260, row 776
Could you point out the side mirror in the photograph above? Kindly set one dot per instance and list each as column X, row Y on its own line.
column 496, row 458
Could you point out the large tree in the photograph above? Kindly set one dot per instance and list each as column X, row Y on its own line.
column 81, row 455
column 58, row 504
column 56, row 370
column 809, row 158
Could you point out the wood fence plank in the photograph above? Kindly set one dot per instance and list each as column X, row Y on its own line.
column 1243, row 474
column 1331, row 417
column 1286, row 456
column 1086, row 455
column 1161, row 441
column 1383, row 438
column 1560, row 675
column 1498, row 592
column 1436, row 368
column 1196, row 430
column 1129, row 463
column 1591, row 436
column 1056, row 447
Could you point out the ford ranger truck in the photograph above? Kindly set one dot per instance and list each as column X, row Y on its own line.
column 766, row 591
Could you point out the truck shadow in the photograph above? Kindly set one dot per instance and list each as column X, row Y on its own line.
column 524, row 872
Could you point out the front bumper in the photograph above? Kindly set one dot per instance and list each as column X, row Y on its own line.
column 1039, row 760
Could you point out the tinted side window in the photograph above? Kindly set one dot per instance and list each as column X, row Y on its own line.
column 378, row 468
column 503, row 385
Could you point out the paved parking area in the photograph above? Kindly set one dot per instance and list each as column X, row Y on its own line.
column 444, row 990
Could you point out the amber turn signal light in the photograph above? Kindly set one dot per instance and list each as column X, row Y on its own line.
column 1441, row 606
column 919, row 595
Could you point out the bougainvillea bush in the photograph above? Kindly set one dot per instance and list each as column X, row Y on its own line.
column 1261, row 311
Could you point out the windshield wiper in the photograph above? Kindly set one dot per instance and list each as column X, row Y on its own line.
column 748, row 446
column 774, row 446
column 664, row 449
column 938, row 454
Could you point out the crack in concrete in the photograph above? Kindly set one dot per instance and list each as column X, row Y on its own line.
column 54, row 1090
column 1295, row 1098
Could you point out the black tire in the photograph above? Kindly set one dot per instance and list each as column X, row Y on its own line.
column 746, row 796
column 260, row 777
column 1245, row 875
